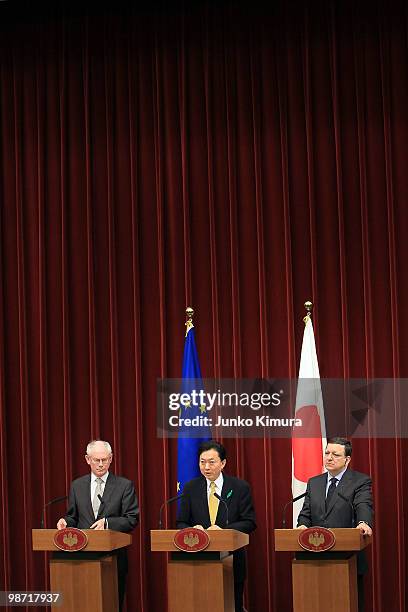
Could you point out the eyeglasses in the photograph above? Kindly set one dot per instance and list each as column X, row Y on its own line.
column 104, row 461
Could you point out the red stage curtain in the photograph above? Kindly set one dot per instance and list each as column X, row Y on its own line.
column 221, row 156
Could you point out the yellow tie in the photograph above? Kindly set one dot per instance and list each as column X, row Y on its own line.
column 212, row 504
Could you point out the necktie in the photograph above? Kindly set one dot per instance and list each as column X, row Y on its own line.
column 212, row 504
column 331, row 490
column 96, row 502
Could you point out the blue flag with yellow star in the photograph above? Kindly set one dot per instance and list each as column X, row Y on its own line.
column 190, row 437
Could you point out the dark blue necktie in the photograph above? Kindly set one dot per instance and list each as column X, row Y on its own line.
column 331, row 490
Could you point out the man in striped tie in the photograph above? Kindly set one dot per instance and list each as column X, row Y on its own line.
column 102, row 500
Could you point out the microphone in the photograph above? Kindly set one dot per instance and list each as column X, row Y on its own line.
column 225, row 504
column 102, row 502
column 291, row 501
column 168, row 501
column 50, row 503
column 350, row 503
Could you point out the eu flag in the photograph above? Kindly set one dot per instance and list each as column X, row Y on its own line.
column 190, row 437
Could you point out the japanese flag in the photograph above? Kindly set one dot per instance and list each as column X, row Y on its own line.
column 308, row 440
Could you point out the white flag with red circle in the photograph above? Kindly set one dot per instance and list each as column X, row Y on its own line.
column 308, row 440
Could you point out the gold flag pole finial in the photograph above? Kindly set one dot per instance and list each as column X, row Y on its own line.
column 309, row 307
column 189, row 323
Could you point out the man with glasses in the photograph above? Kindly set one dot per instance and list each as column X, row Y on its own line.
column 201, row 509
column 102, row 500
column 340, row 497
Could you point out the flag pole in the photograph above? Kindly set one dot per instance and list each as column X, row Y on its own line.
column 309, row 307
column 189, row 323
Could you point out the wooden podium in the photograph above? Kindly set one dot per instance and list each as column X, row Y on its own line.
column 202, row 581
column 87, row 579
column 324, row 581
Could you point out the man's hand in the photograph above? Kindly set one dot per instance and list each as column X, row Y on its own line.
column 213, row 527
column 98, row 525
column 301, row 527
column 365, row 529
column 62, row 523
column 198, row 527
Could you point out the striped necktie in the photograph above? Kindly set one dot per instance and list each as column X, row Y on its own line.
column 212, row 504
column 331, row 490
column 96, row 502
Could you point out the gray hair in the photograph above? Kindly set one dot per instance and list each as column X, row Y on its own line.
column 92, row 443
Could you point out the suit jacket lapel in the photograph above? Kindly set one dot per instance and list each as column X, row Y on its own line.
column 85, row 494
column 227, row 488
column 347, row 476
column 204, row 501
column 342, row 486
column 322, row 494
column 222, row 512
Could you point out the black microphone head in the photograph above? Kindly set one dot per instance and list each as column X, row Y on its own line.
column 225, row 504
column 56, row 500
column 53, row 501
column 295, row 499
column 175, row 498
column 291, row 501
column 168, row 501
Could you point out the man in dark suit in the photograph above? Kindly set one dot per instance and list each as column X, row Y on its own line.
column 200, row 508
column 340, row 498
column 101, row 500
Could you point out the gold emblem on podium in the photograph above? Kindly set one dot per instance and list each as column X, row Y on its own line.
column 316, row 539
column 191, row 540
column 70, row 539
